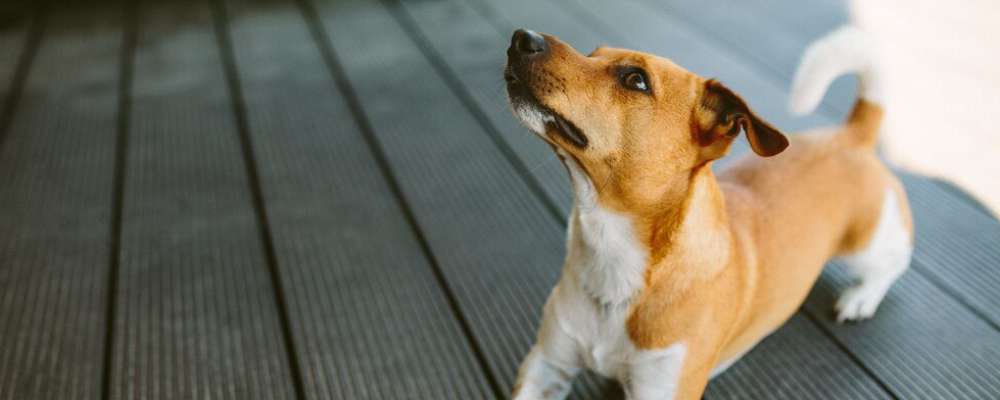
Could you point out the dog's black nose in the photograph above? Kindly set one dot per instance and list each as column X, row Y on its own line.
column 528, row 43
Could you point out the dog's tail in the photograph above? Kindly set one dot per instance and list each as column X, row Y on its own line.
column 847, row 49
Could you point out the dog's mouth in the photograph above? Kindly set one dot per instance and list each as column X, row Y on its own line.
column 566, row 129
column 539, row 117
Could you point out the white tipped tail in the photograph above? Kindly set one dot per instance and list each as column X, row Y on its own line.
column 845, row 50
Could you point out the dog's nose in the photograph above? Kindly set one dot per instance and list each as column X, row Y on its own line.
column 528, row 43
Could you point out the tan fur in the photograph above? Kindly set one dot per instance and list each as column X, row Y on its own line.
column 733, row 257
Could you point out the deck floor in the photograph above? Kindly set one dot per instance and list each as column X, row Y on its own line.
column 328, row 199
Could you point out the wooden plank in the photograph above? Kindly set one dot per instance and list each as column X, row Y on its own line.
column 498, row 247
column 922, row 343
column 958, row 246
column 472, row 49
column 17, row 48
column 56, row 167
column 368, row 316
column 197, row 316
column 796, row 362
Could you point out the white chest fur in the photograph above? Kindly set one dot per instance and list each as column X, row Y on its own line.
column 604, row 271
column 603, row 255
column 584, row 323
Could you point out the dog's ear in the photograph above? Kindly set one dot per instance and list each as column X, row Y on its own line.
column 719, row 117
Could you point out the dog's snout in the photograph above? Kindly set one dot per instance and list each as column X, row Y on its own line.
column 528, row 43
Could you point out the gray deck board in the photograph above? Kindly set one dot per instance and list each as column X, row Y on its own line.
column 16, row 19
column 796, row 362
column 369, row 318
column 922, row 343
column 497, row 246
column 473, row 48
column 329, row 199
column 197, row 317
column 958, row 245
column 56, row 166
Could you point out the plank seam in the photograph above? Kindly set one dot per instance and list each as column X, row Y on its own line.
column 342, row 82
column 459, row 90
column 125, row 74
column 850, row 354
column 224, row 41
column 947, row 289
column 32, row 41
column 491, row 16
column 967, row 197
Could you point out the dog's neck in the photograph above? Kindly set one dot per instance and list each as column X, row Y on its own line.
column 612, row 254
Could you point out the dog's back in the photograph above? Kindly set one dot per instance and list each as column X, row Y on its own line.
column 827, row 195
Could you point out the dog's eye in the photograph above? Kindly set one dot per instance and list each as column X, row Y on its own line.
column 635, row 79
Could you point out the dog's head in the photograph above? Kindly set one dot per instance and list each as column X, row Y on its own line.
column 628, row 119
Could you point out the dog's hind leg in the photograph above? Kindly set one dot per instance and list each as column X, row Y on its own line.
column 879, row 264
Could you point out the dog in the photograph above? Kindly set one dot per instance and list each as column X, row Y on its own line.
column 672, row 272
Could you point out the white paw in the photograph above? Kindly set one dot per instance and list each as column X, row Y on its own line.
column 858, row 302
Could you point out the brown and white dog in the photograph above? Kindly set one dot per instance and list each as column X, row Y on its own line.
column 672, row 273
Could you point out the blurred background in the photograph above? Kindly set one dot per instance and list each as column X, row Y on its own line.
column 942, row 86
column 328, row 199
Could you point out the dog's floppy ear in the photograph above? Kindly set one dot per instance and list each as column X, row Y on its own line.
column 720, row 116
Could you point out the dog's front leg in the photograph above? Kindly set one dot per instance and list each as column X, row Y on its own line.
column 548, row 370
column 540, row 378
column 656, row 375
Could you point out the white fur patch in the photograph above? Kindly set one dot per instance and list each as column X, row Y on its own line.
column 603, row 253
column 532, row 117
column 879, row 265
column 540, row 379
column 655, row 375
column 846, row 49
column 597, row 337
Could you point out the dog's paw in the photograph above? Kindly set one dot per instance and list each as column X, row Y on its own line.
column 858, row 303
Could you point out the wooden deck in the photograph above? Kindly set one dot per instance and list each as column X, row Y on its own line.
column 309, row 199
